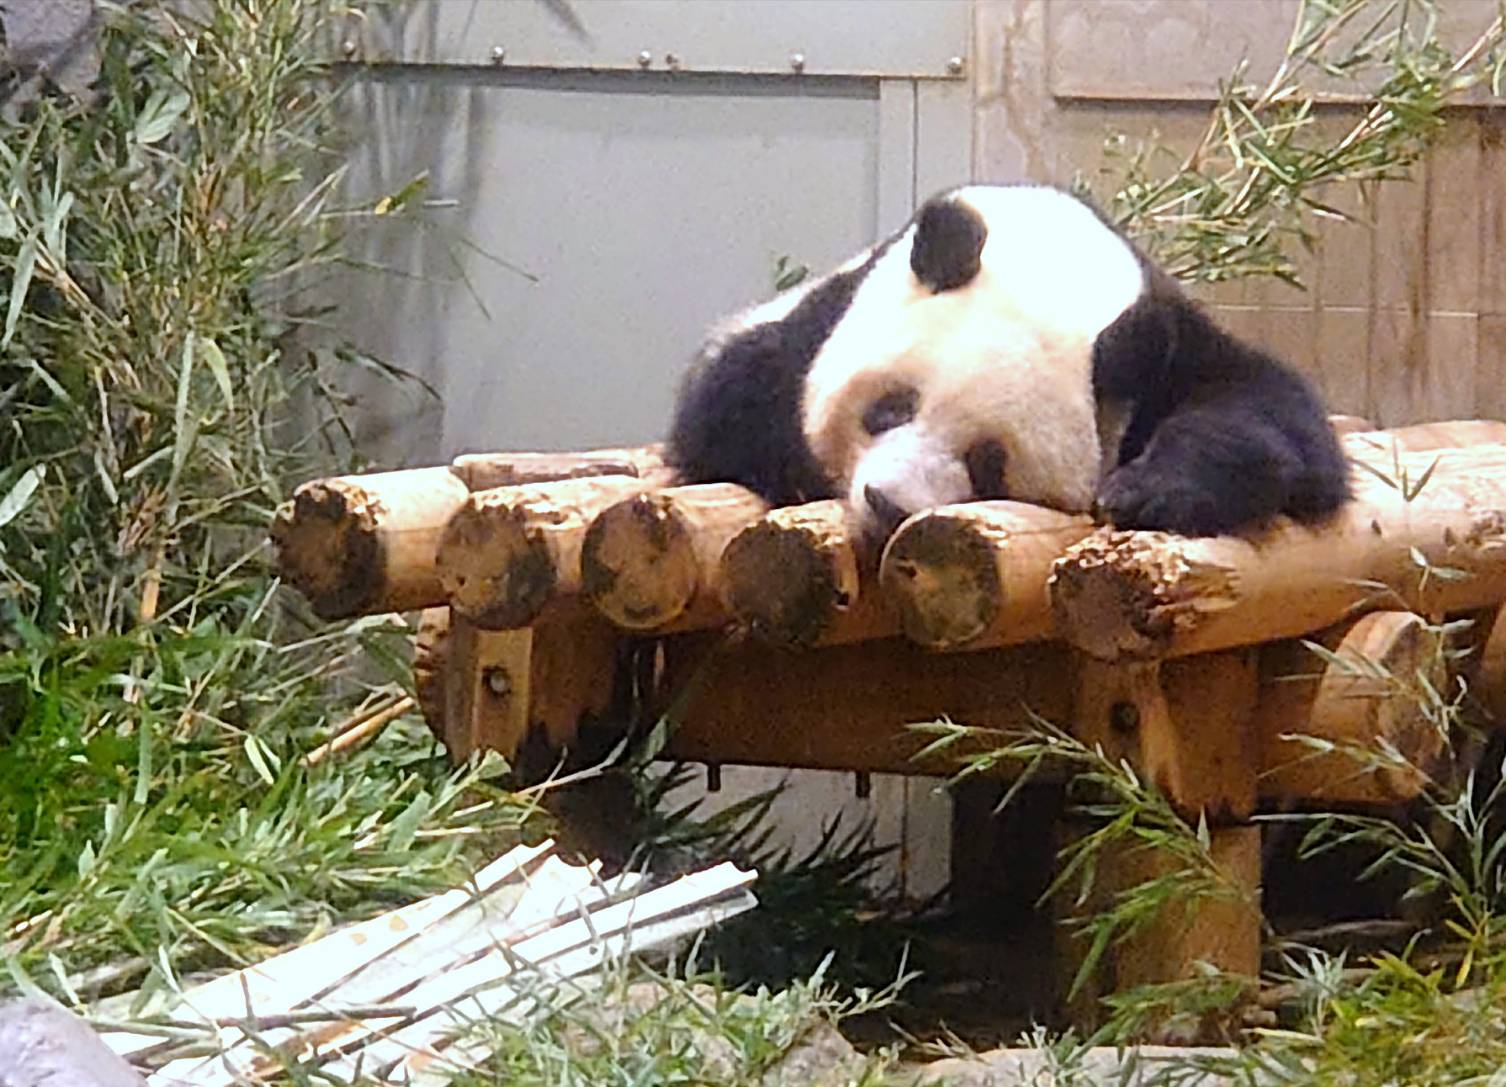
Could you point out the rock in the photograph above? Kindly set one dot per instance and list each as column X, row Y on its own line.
column 43, row 1044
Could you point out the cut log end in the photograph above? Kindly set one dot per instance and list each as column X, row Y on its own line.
column 328, row 548
column 1354, row 727
column 940, row 574
column 1117, row 595
column 497, row 573
column 791, row 576
column 638, row 563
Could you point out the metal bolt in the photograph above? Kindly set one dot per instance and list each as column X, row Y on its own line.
column 797, row 61
column 1124, row 717
column 955, row 65
column 348, row 47
column 645, row 58
column 498, row 682
column 498, row 54
column 864, row 785
column 672, row 60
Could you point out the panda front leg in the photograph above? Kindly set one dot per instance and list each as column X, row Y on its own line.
column 1205, row 471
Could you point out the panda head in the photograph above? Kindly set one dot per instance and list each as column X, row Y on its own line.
column 963, row 367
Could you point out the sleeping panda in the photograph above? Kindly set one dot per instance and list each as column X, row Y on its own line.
column 1007, row 342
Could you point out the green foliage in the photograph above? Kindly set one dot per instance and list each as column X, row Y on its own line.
column 683, row 1027
column 1264, row 169
column 157, row 693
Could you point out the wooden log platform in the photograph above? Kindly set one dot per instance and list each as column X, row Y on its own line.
column 365, row 544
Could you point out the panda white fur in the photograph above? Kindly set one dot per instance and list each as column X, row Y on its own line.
column 1006, row 343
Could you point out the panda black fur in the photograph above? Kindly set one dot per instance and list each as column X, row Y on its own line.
column 1007, row 342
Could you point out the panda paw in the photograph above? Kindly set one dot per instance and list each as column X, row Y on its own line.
column 1137, row 497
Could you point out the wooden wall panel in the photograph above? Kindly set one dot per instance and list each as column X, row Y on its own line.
column 1404, row 314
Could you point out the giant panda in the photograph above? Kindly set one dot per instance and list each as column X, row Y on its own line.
column 1007, row 342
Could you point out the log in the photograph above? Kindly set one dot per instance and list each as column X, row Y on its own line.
column 1147, row 594
column 1373, row 699
column 652, row 561
column 508, row 552
column 969, row 575
column 358, row 545
column 1376, row 446
column 793, row 579
column 1348, row 424
column 484, row 471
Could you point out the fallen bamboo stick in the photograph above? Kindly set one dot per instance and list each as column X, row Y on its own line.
column 652, row 561
column 1439, row 546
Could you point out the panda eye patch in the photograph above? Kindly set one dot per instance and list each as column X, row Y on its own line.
column 985, row 470
column 893, row 409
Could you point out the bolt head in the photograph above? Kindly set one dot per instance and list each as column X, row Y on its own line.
column 348, row 47
column 672, row 60
column 645, row 58
column 797, row 61
column 955, row 65
column 498, row 54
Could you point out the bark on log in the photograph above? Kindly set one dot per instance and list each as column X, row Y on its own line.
column 357, row 545
column 1376, row 446
column 970, row 575
column 1371, row 696
column 651, row 562
column 1118, row 594
column 484, row 471
column 793, row 579
column 431, row 665
column 507, row 552
column 1348, row 424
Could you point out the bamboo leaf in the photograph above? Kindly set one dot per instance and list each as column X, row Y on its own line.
column 159, row 115
column 8, row 227
column 182, row 432
column 20, row 494
column 26, row 263
column 215, row 359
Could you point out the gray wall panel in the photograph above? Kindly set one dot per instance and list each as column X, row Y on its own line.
column 640, row 217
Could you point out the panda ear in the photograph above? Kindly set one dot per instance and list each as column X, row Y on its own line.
column 948, row 247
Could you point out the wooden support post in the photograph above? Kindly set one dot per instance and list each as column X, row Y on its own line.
column 1151, row 595
column 1188, row 727
column 508, row 552
column 793, row 579
column 652, row 561
column 507, row 690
